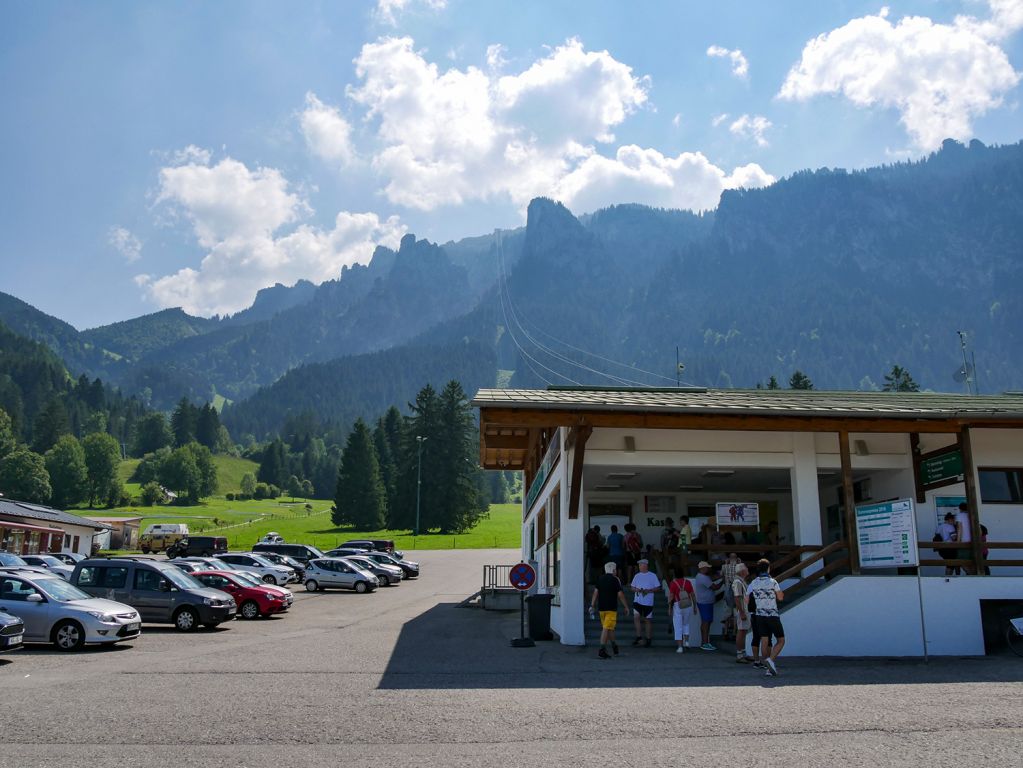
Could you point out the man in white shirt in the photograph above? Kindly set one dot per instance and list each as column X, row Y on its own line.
column 964, row 535
column 644, row 586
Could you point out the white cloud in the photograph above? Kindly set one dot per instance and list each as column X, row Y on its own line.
column 125, row 243
column 327, row 134
column 236, row 214
column 389, row 10
column 751, row 127
column 677, row 120
column 495, row 56
column 465, row 134
column 938, row 76
column 191, row 154
column 740, row 67
column 718, row 119
column 646, row 176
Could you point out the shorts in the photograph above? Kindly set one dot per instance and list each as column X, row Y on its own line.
column 741, row 624
column 680, row 620
column 643, row 611
column 706, row 612
column 631, row 558
column 768, row 626
column 608, row 619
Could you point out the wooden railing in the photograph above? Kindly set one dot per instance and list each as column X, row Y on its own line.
column 838, row 564
column 967, row 563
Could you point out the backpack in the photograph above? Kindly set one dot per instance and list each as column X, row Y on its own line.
column 632, row 542
column 685, row 600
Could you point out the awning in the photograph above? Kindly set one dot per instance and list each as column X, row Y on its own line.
column 26, row 527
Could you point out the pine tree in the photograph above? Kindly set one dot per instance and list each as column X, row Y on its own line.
column 151, row 434
column 359, row 500
column 800, row 380
column 899, row 380
column 388, row 470
column 183, row 422
column 49, row 425
column 207, row 427
column 459, row 474
column 7, row 440
column 69, row 476
column 772, row 383
column 273, row 466
column 424, row 422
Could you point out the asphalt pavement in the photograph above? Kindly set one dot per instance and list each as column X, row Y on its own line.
column 406, row 677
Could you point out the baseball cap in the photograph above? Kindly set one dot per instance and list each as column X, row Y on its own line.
column 644, row 561
column 703, row 564
column 609, row 567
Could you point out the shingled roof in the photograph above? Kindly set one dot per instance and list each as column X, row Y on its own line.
column 47, row 514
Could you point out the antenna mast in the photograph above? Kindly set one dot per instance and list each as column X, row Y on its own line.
column 967, row 372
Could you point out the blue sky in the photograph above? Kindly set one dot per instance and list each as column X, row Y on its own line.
column 187, row 154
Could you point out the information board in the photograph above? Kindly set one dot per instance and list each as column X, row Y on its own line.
column 946, row 467
column 730, row 513
column 887, row 534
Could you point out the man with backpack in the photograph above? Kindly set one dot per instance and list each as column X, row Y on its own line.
column 767, row 593
column 681, row 607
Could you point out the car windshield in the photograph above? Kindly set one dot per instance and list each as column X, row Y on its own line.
column 247, row 578
column 182, row 580
column 315, row 551
column 216, row 564
column 10, row 560
column 60, row 590
column 262, row 561
column 50, row 560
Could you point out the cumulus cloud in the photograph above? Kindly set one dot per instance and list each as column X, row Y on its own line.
column 237, row 215
column 740, row 67
column 327, row 134
column 751, row 127
column 646, row 176
column 388, row 11
column 125, row 243
column 464, row 134
column 938, row 76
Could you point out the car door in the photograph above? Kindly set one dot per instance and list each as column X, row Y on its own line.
column 14, row 598
column 148, row 598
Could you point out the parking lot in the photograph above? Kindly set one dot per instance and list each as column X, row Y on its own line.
column 405, row 676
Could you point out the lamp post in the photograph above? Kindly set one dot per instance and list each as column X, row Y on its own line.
column 419, row 474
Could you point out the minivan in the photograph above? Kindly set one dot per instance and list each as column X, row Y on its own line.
column 198, row 546
column 160, row 592
column 301, row 552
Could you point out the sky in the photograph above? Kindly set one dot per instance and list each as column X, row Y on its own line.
column 187, row 154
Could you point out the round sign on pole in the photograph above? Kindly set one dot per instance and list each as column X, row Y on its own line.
column 522, row 576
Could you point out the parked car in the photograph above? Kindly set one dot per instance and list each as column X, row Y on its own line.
column 253, row 581
column 279, row 559
column 202, row 546
column 12, row 632
column 336, row 572
column 160, row 592
column 51, row 564
column 69, row 558
column 57, row 612
column 301, row 552
column 387, row 575
column 188, row 566
column 345, row 552
column 10, row 561
column 272, row 537
column 410, row 569
column 374, row 545
column 252, row 601
column 252, row 562
column 210, row 564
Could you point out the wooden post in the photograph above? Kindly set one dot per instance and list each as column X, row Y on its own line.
column 850, row 502
column 914, row 450
column 581, row 435
column 972, row 500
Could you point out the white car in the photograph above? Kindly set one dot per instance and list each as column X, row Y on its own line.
column 60, row 613
column 254, row 563
column 51, row 564
column 214, row 564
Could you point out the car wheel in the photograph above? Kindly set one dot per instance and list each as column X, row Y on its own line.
column 69, row 636
column 311, row 585
column 269, row 579
column 381, row 581
column 361, row 586
column 145, row 551
column 249, row 609
column 186, row 620
column 207, row 553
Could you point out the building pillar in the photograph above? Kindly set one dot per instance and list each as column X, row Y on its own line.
column 572, row 589
column 806, row 501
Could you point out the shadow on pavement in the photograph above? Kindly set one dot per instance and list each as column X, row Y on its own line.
column 451, row 648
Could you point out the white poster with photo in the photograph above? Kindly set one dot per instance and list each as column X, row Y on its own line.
column 736, row 513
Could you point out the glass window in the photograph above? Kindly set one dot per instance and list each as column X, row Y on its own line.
column 115, row 578
column 90, row 576
column 147, row 580
column 16, row 590
column 1003, row 486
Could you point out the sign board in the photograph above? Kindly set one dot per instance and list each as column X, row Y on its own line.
column 941, row 468
column 522, row 576
column 886, row 534
column 745, row 513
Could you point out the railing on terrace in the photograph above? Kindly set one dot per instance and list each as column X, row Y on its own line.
column 943, row 546
column 497, row 577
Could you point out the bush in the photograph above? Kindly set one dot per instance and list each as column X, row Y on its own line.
column 229, row 496
column 152, row 494
column 262, row 491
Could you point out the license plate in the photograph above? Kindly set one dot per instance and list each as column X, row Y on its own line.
column 133, row 627
column 14, row 640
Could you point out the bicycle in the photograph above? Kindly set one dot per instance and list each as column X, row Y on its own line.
column 1014, row 635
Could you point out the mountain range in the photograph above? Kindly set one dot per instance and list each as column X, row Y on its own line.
column 840, row 274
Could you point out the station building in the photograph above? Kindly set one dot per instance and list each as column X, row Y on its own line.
column 603, row 456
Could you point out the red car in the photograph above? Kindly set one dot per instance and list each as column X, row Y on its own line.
column 252, row 601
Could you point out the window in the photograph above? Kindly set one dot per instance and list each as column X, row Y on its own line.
column 1001, row 486
column 115, row 578
column 147, row 580
column 90, row 576
column 16, row 590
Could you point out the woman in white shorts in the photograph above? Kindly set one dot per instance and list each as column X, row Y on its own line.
column 681, row 606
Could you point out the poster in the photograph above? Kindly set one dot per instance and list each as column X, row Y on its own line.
column 738, row 513
column 886, row 534
column 945, row 504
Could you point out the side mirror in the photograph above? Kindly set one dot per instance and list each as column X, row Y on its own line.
column 35, row 597
column 165, row 585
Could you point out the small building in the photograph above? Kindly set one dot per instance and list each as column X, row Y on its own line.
column 790, row 475
column 123, row 533
column 29, row 529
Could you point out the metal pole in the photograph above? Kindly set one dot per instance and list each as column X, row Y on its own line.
column 419, row 475
column 923, row 626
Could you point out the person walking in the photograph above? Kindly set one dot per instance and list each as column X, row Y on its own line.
column 739, row 601
column 946, row 532
column 964, row 535
column 644, row 586
column 767, row 593
column 681, row 606
column 606, row 597
column 705, row 589
column 728, row 571
column 616, row 549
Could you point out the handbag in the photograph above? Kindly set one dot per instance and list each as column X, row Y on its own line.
column 684, row 599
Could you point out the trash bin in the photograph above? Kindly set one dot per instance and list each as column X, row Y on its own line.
column 539, row 610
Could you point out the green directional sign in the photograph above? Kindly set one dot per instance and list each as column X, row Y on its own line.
column 936, row 469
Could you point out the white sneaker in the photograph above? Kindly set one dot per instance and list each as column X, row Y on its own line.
column 771, row 667
column 680, row 649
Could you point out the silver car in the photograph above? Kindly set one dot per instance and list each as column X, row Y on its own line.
column 268, row 572
column 386, row 574
column 57, row 612
column 337, row 572
column 50, row 563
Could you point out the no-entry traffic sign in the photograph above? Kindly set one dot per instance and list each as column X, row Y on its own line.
column 522, row 576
